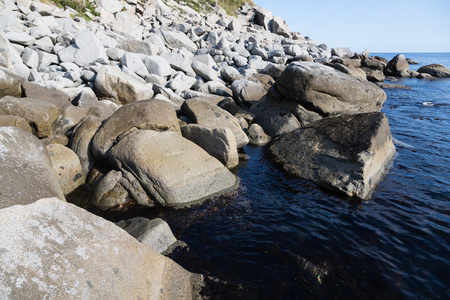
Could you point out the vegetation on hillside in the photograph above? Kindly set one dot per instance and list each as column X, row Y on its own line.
column 230, row 6
column 81, row 6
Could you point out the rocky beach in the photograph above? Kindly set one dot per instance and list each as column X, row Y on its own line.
column 150, row 104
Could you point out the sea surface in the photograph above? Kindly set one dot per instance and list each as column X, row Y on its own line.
column 281, row 237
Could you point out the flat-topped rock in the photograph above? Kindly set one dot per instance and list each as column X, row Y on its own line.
column 348, row 154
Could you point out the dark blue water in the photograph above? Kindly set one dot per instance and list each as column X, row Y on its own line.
column 280, row 237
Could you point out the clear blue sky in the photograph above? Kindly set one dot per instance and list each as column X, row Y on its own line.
column 379, row 26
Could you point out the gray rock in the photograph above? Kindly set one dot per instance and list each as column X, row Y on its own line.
column 36, row 91
column 342, row 52
column 274, row 70
column 240, row 61
column 396, row 65
column 246, row 92
column 172, row 170
column 147, row 114
column 348, row 154
column 90, row 49
column 115, row 53
column 350, row 70
column 109, row 192
column 110, row 82
column 30, row 58
column 5, row 53
column 20, row 38
column 134, row 63
column 207, row 73
column 373, row 63
column 39, row 114
column 10, row 83
column 435, row 70
column 155, row 233
column 26, row 170
column 206, row 113
column 230, row 74
column 263, row 17
column 375, row 76
column 257, row 136
column 80, row 141
column 157, row 65
column 260, row 52
column 72, row 254
column 218, row 142
column 40, row 31
column 67, row 167
column 278, row 26
column 178, row 62
column 327, row 91
column 181, row 82
column 175, row 40
column 273, row 117
column 15, row 121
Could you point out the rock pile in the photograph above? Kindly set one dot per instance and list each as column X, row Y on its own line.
column 151, row 102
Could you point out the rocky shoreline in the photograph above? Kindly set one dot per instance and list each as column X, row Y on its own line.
column 151, row 104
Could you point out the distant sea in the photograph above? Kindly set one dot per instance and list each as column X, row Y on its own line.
column 281, row 237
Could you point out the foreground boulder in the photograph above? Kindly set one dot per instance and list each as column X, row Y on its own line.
column 172, row 170
column 26, row 173
column 10, row 83
column 55, row 250
column 435, row 70
column 327, row 91
column 348, row 154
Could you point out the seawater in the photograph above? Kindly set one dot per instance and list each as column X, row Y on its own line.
column 281, row 237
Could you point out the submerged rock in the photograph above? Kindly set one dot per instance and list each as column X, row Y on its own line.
column 348, row 154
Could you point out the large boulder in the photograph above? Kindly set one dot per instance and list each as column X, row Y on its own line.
column 153, row 114
column 327, row 91
column 348, row 153
column 218, row 142
column 435, row 70
column 110, row 82
column 172, row 170
column 206, row 113
column 67, row 167
column 26, row 173
column 56, row 250
column 39, row 114
column 10, row 83
column 396, row 65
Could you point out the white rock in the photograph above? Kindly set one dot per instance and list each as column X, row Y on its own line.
column 181, row 82
column 111, row 6
column 134, row 63
column 40, row 31
column 20, row 38
column 157, row 65
column 45, row 44
column 90, row 49
column 30, row 58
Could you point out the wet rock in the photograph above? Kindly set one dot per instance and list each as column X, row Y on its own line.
column 67, row 167
column 89, row 256
column 327, row 91
column 171, row 169
column 26, row 170
column 348, row 154
column 257, row 136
